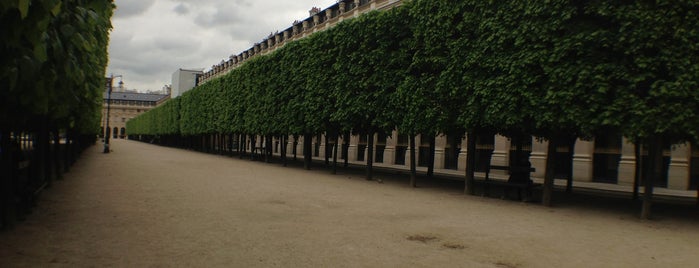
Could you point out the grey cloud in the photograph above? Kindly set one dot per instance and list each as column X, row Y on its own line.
column 191, row 34
column 218, row 17
column 131, row 8
column 176, row 44
column 181, row 9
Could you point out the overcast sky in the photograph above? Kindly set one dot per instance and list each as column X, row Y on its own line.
column 153, row 38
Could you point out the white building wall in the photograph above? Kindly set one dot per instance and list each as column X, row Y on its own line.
column 183, row 80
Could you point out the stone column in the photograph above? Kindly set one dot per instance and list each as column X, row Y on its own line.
column 627, row 164
column 352, row 150
column 389, row 153
column 461, row 165
column 538, row 158
column 277, row 39
column 440, row 144
column 582, row 160
column 321, row 150
column 342, row 7
column 501, row 151
column 316, row 20
column 305, row 25
column 679, row 172
column 328, row 14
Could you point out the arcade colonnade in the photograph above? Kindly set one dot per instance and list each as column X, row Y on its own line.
column 610, row 159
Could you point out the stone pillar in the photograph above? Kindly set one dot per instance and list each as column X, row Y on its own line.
column 352, row 150
column 440, row 144
column 316, row 20
column 679, row 172
column 277, row 39
column 389, row 153
column 461, row 165
column 627, row 164
column 342, row 7
column 582, row 160
column 538, row 158
column 321, row 152
column 501, row 151
column 328, row 14
column 287, row 34
column 305, row 25
column 270, row 43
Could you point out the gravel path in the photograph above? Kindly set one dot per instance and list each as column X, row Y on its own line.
column 145, row 205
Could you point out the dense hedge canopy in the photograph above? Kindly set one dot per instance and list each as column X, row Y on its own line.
column 53, row 57
column 542, row 68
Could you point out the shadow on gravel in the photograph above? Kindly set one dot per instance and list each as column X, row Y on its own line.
column 614, row 203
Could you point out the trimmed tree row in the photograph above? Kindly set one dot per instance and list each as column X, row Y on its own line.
column 556, row 70
column 52, row 63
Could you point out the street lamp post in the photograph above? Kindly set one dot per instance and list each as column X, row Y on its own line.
column 109, row 100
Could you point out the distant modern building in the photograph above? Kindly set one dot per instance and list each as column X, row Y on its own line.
column 184, row 80
column 124, row 105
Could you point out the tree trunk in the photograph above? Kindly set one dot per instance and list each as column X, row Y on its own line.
column 430, row 164
column 268, row 143
column 284, row 139
column 241, row 146
column 7, row 167
column 550, row 172
column 335, row 147
column 44, row 157
column 413, row 168
column 370, row 156
column 470, row 162
column 294, row 149
column 67, row 161
column 253, row 144
column 638, row 174
column 345, row 145
column 571, row 152
column 57, row 154
column 307, row 150
column 327, row 154
column 655, row 157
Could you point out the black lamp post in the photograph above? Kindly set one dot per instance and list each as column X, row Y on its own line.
column 110, row 79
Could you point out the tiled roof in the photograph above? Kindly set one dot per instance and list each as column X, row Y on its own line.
column 131, row 96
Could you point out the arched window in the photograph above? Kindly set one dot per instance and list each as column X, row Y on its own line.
column 116, row 132
column 123, row 132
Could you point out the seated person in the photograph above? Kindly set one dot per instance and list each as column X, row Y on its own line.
column 519, row 173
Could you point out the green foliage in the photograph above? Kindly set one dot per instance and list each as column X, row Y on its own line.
column 54, row 55
column 546, row 68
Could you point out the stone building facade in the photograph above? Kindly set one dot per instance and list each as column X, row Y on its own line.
column 125, row 105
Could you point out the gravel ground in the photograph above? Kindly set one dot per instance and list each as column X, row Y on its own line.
column 145, row 205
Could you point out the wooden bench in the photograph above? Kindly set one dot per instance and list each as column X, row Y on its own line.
column 525, row 187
